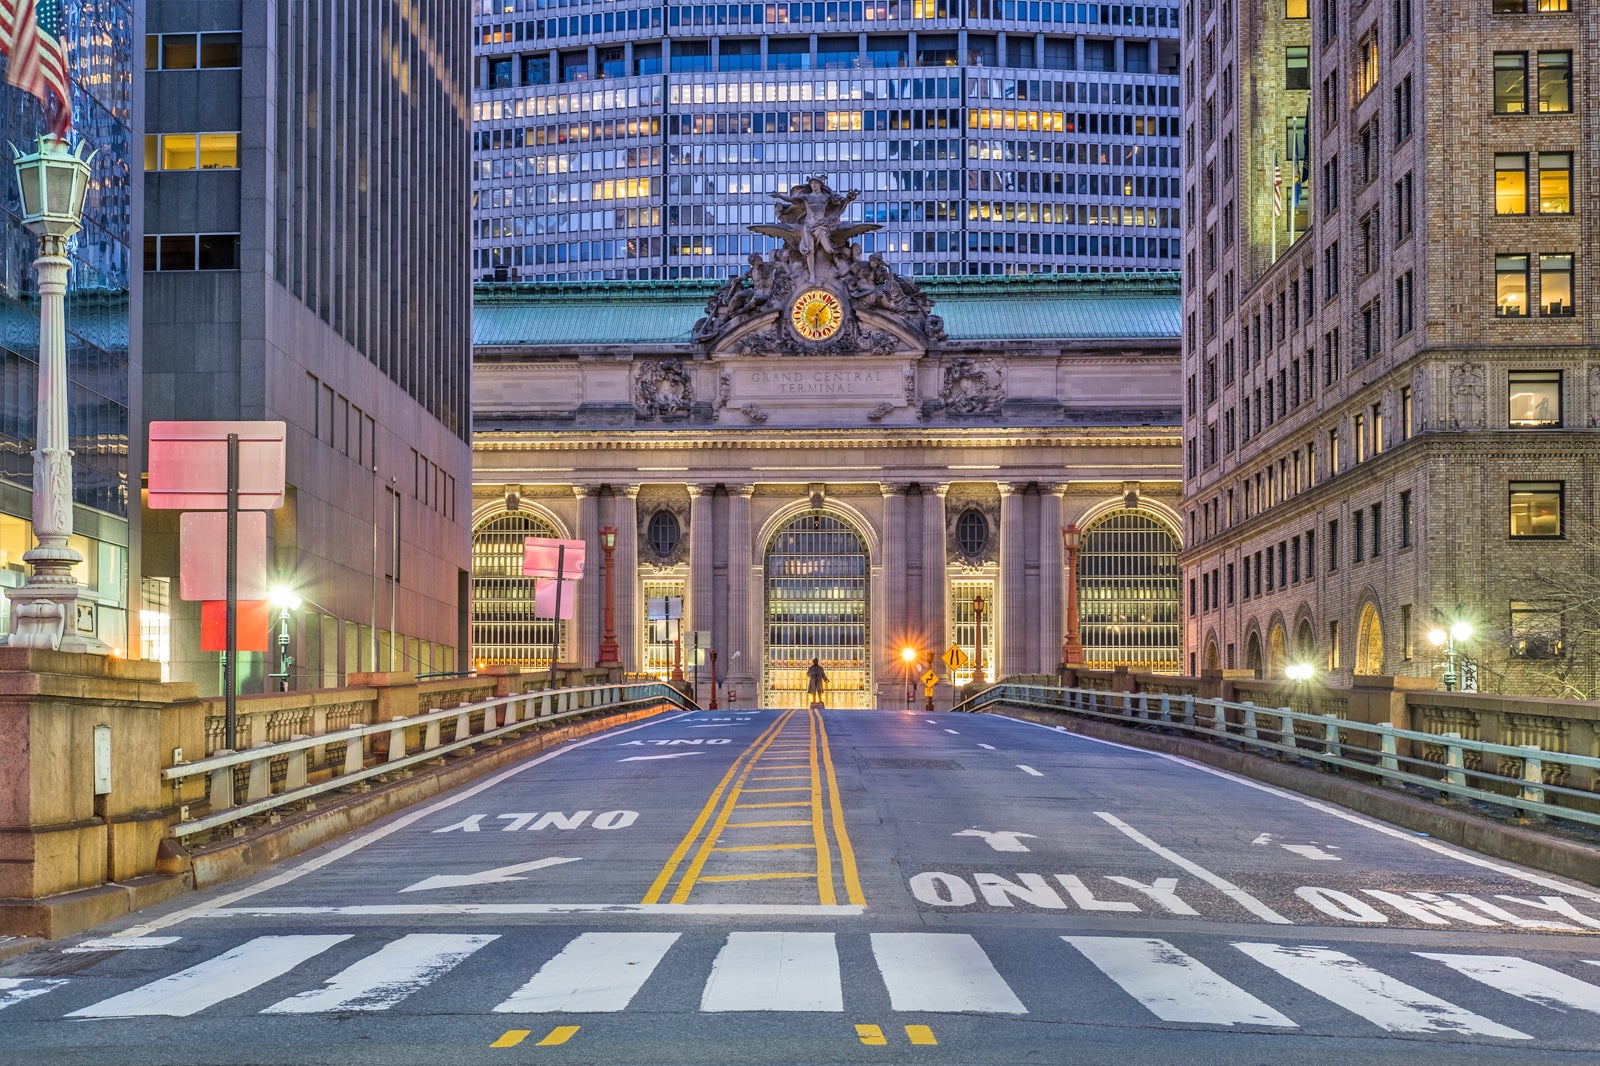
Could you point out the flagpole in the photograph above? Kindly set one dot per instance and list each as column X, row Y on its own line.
column 1277, row 198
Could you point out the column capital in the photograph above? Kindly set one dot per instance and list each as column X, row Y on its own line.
column 1005, row 488
column 585, row 491
column 745, row 491
column 1058, row 489
column 942, row 489
column 632, row 490
column 695, row 491
column 892, row 488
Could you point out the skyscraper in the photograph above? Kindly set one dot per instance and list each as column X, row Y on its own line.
column 306, row 260
column 1391, row 352
column 629, row 140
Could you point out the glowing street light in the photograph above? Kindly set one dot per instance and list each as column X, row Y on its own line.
column 1299, row 671
column 1459, row 630
column 908, row 655
column 285, row 599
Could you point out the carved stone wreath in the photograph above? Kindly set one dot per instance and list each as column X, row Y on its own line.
column 971, row 387
column 662, row 389
column 957, row 502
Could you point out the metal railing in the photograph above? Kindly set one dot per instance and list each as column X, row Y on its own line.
column 259, row 779
column 1526, row 779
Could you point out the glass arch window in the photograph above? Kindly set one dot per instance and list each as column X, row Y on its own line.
column 662, row 533
column 1128, row 593
column 816, row 607
column 504, row 629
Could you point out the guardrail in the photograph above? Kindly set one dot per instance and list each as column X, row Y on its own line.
column 269, row 775
column 1527, row 779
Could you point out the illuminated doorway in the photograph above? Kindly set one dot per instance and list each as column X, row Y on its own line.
column 816, row 607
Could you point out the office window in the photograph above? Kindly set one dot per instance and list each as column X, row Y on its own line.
column 1555, row 285
column 1510, row 285
column 1367, row 65
column 1297, row 67
column 1534, row 399
column 1405, row 519
column 1405, row 412
column 1360, row 433
column 1358, row 539
column 1537, row 632
column 190, row 151
column 1311, row 554
column 1510, row 83
column 1333, row 545
column 1555, row 81
column 1406, row 647
column 1333, row 645
column 1377, row 530
column 1510, row 184
column 1536, row 508
column 1555, row 183
column 1402, row 208
column 1296, row 9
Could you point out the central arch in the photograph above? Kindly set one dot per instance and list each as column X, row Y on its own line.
column 504, row 626
column 815, row 606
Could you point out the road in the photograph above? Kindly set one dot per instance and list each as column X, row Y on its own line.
column 843, row 887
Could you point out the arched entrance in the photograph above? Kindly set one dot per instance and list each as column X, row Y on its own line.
column 1369, row 642
column 504, row 629
column 1128, row 593
column 1277, row 651
column 1213, row 661
column 815, row 606
column 1252, row 653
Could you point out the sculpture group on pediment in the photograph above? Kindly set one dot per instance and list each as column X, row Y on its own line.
column 808, row 295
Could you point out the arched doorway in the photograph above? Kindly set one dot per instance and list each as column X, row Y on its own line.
column 504, row 629
column 815, row 600
column 1305, row 642
column 1369, row 642
column 1213, row 661
column 1277, row 651
column 1128, row 593
column 1252, row 652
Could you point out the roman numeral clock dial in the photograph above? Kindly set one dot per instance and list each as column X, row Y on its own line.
column 816, row 314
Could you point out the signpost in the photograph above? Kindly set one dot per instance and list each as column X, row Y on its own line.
column 956, row 659
column 561, row 560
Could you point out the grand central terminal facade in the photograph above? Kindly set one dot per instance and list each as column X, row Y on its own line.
column 825, row 460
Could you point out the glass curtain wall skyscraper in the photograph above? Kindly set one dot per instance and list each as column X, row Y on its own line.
column 632, row 140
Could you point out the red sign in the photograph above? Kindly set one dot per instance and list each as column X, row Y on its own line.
column 189, row 465
column 541, row 557
column 254, row 621
column 203, row 556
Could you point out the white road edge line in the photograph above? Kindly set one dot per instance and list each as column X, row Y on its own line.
column 1348, row 816
column 350, row 848
column 1226, row 887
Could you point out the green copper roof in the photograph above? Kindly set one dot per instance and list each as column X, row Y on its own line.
column 1053, row 307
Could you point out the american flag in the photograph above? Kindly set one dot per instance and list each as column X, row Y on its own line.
column 1277, row 189
column 33, row 33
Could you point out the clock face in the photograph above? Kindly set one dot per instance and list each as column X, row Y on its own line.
column 816, row 315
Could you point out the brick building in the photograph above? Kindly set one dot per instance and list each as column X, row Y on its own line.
column 1392, row 358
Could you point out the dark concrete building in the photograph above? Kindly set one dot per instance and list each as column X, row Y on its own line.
column 305, row 259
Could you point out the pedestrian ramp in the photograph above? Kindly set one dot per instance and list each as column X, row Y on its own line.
column 1093, row 979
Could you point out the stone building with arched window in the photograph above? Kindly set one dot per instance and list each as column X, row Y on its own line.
column 828, row 461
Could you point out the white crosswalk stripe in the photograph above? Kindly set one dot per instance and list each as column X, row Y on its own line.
column 387, row 976
column 17, row 989
column 596, row 972
column 1174, row 986
column 190, row 991
column 941, row 972
column 1370, row 994
column 775, row 971
column 1524, row 979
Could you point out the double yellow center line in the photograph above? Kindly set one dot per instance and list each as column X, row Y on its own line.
column 787, row 770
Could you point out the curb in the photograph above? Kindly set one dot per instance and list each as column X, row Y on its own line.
column 1452, row 824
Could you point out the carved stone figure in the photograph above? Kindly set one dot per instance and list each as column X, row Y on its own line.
column 970, row 387
column 663, row 389
column 1466, row 396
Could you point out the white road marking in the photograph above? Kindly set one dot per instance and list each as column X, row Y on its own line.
column 1354, row 819
column 391, row 910
column 775, row 971
column 1264, row 838
column 16, row 989
column 1227, row 888
column 1175, row 987
column 497, row 876
column 647, row 758
column 1367, row 993
column 998, row 840
column 595, row 972
column 1310, row 851
column 404, row 821
column 953, row 732
column 1524, row 979
column 930, row 721
column 114, row 943
column 1029, row 770
column 987, row 747
column 230, row 974
column 941, row 972
column 387, row 976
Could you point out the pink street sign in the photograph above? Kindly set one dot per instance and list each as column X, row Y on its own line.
column 189, row 465
column 544, row 598
column 203, row 556
column 540, row 556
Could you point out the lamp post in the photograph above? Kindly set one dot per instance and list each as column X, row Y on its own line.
column 284, row 599
column 977, row 617
column 53, row 180
column 609, row 652
column 713, row 706
column 908, row 656
column 1458, row 630
column 1071, row 644
column 1298, row 671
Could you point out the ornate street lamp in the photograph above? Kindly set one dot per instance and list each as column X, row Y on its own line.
column 977, row 617
column 286, row 601
column 1298, row 671
column 1459, row 630
column 53, row 180
column 908, row 656
column 1071, row 645
column 609, row 652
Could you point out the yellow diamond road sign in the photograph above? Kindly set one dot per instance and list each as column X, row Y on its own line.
column 930, row 678
column 955, row 658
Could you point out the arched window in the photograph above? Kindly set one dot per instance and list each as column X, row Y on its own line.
column 504, row 629
column 816, row 608
column 1128, row 593
column 1369, row 642
column 662, row 533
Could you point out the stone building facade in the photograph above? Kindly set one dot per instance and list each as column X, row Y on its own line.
column 1391, row 350
column 827, row 460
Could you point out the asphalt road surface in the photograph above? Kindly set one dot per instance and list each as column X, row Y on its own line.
column 843, row 887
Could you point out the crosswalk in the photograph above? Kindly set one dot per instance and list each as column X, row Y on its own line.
column 1046, row 976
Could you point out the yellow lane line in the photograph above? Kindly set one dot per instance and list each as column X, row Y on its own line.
column 847, row 852
column 758, row 806
column 512, row 1037
column 871, row 1034
column 759, row 825
column 920, row 1034
column 562, row 1033
column 819, row 832
column 746, row 758
column 755, row 877
column 762, row 847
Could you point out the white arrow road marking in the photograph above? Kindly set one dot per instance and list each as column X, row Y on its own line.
column 1227, row 888
column 987, row 747
column 1310, row 851
column 1000, row 840
column 487, row 877
column 674, row 755
column 1264, row 838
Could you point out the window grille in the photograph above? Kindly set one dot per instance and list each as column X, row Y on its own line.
column 816, row 607
column 1128, row 594
column 660, row 636
column 964, row 631
column 504, row 629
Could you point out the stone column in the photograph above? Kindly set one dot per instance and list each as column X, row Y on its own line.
column 935, row 586
column 701, row 608
column 625, row 516
column 586, row 620
column 898, row 627
column 1011, row 645
column 740, row 672
column 1050, row 574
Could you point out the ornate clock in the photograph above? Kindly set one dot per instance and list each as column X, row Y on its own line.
column 816, row 314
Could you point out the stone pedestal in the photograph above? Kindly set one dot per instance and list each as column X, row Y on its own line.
column 60, row 835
